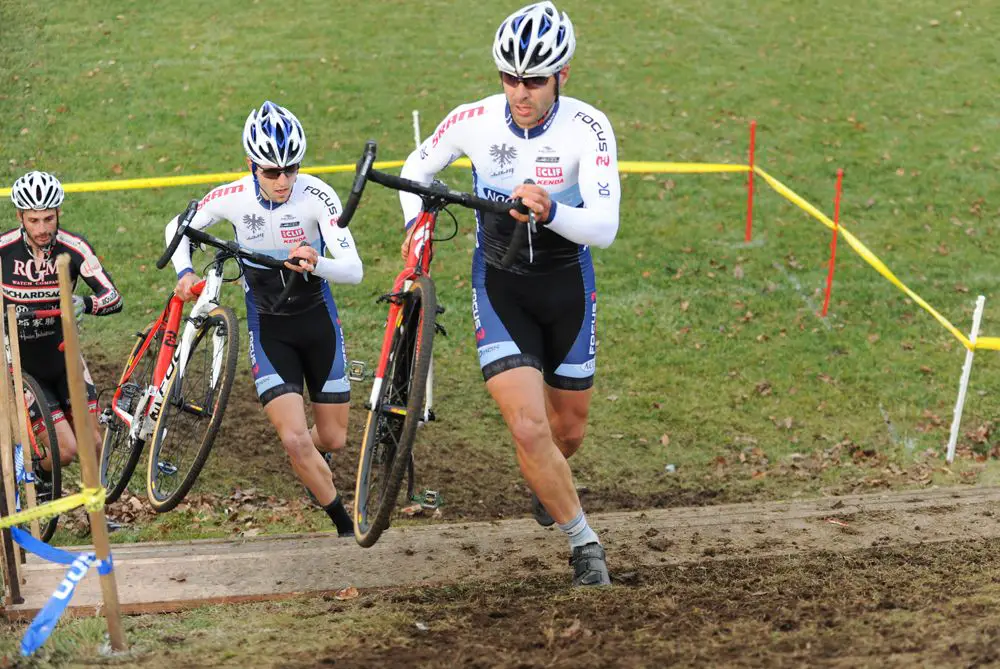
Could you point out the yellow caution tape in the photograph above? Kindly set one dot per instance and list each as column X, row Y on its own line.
column 862, row 251
column 90, row 498
column 988, row 343
column 223, row 177
column 631, row 167
column 191, row 179
column 626, row 167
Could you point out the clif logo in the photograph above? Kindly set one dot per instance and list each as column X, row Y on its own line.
column 548, row 172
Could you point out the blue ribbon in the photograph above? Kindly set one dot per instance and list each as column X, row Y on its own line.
column 20, row 475
column 79, row 564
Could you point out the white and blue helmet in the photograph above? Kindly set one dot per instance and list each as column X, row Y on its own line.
column 37, row 190
column 534, row 41
column 273, row 137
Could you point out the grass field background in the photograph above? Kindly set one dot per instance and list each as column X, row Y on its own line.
column 709, row 348
column 711, row 355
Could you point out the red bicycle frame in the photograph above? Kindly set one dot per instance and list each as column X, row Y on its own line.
column 169, row 321
column 418, row 262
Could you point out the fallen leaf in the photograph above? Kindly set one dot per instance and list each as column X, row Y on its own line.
column 684, row 305
column 665, row 439
column 571, row 631
column 738, row 272
column 412, row 510
column 350, row 592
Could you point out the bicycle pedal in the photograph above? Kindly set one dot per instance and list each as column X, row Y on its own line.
column 166, row 468
column 430, row 415
column 441, row 309
column 430, row 500
column 357, row 370
column 440, row 329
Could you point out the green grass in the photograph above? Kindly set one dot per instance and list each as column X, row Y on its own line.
column 702, row 338
column 899, row 95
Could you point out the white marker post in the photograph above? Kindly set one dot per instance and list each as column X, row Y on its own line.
column 963, row 385
column 416, row 128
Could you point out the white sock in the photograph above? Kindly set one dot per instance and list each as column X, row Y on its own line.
column 579, row 532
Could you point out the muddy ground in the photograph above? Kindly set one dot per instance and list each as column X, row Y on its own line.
column 887, row 580
column 856, row 586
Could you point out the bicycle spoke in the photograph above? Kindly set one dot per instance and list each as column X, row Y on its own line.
column 193, row 410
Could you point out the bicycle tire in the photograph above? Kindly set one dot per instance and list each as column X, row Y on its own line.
column 47, row 527
column 119, row 457
column 387, row 445
column 162, row 473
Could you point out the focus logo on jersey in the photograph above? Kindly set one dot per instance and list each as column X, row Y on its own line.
column 593, row 324
column 480, row 330
column 323, row 197
column 455, row 118
column 602, row 142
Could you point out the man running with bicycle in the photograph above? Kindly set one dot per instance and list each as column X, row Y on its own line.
column 535, row 323
column 30, row 282
column 281, row 213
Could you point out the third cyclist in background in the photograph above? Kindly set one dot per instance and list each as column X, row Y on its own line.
column 536, row 321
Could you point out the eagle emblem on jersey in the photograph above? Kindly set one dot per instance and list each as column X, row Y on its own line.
column 503, row 155
column 254, row 223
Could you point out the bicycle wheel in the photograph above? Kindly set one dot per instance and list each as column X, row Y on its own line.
column 392, row 422
column 119, row 453
column 44, row 443
column 193, row 406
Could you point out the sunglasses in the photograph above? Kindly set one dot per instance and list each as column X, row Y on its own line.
column 275, row 172
column 531, row 83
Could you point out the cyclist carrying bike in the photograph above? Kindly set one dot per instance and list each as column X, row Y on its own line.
column 30, row 282
column 283, row 214
column 535, row 323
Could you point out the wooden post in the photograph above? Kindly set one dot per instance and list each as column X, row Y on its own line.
column 22, row 412
column 7, row 464
column 86, row 448
column 8, row 559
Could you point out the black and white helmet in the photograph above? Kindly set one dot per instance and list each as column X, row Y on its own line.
column 37, row 190
column 273, row 137
column 534, row 41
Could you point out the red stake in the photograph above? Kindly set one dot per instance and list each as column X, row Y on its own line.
column 753, row 137
column 833, row 244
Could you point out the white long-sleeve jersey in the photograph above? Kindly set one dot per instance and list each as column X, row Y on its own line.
column 309, row 215
column 572, row 154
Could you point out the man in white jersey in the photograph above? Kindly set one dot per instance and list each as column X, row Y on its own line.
column 536, row 320
column 283, row 214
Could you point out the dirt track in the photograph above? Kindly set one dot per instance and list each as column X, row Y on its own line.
column 164, row 576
